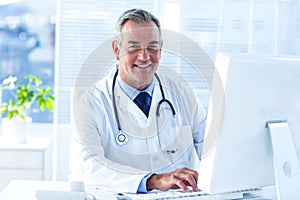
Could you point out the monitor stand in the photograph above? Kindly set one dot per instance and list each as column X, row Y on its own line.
column 286, row 164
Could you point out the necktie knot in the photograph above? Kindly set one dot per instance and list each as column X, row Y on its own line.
column 143, row 101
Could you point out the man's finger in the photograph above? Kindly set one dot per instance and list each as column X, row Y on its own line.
column 182, row 185
column 188, row 179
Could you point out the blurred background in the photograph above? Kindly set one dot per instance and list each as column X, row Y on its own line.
column 27, row 42
column 28, row 29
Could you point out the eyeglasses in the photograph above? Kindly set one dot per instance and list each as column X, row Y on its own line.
column 150, row 48
column 135, row 46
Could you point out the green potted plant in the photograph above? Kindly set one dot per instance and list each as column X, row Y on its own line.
column 25, row 93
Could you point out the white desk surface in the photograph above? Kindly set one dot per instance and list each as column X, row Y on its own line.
column 26, row 190
column 21, row 189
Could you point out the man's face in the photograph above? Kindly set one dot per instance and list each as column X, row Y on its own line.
column 139, row 53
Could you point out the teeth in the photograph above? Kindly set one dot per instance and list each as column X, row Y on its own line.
column 143, row 66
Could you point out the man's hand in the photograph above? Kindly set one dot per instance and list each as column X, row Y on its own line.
column 181, row 178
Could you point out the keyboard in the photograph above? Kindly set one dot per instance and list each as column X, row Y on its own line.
column 175, row 194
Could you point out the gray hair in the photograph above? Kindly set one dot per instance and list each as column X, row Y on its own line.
column 139, row 16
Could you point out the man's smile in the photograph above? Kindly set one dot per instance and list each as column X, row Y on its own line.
column 143, row 65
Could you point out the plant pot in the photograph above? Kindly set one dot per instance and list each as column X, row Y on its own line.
column 15, row 130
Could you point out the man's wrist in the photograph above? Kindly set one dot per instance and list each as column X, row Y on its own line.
column 143, row 184
column 150, row 184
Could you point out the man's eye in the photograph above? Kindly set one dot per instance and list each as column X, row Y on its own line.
column 152, row 48
column 134, row 48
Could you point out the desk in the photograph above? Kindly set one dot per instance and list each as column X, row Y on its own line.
column 21, row 189
column 26, row 189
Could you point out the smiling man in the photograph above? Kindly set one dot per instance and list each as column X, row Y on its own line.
column 136, row 129
column 138, row 53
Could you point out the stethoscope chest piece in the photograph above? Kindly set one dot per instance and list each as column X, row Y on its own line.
column 121, row 138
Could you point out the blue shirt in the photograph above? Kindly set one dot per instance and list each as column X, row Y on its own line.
column 131, row 92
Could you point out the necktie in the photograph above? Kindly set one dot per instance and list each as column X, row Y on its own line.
column 143, row 101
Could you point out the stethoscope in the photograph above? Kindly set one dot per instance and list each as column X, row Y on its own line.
column 121, row 137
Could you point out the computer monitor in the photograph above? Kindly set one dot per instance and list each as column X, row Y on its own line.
column 240, row 147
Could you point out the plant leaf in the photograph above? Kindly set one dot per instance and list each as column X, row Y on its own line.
column 50, row 104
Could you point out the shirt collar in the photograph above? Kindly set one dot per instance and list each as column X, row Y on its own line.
column 131, row 92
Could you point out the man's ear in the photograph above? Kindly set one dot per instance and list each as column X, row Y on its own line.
column 116, row 49
column 161, row 45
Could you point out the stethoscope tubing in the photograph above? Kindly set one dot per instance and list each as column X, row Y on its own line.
column 121, row 137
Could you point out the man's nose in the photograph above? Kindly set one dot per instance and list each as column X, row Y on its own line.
column 143, row 54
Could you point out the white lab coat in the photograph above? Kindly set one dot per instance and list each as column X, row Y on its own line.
column 97, row 159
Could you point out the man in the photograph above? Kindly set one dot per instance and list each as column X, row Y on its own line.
column 136, row 130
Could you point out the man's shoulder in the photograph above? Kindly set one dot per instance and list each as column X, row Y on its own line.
column 97, row 89
column 174, row 81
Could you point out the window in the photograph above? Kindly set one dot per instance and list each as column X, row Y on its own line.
column 269, row 27
column 27, row 34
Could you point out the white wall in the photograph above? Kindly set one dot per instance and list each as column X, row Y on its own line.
column 62, row 136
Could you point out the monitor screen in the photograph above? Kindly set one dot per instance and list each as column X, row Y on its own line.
column 247, row 92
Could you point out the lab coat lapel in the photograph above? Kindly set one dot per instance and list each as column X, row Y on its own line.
column 125, row 104
column 156, row 97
